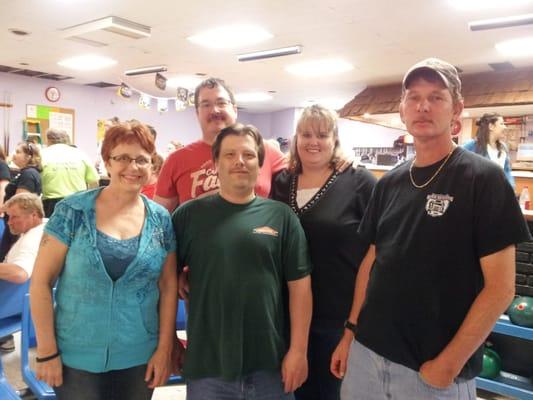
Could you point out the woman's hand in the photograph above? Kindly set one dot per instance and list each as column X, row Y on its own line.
column 50, row 372
column 159, row 367
column 178, row 357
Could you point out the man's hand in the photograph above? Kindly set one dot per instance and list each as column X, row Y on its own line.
column 50, row 372
column 339, row 358
column 178, row 357
column 293, row 370
column 436, row 374
column 183, row 284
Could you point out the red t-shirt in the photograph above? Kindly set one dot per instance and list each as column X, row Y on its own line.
column 189, row 172
column 149, row 190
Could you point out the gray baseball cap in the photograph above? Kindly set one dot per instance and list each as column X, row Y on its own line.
column 446, row 71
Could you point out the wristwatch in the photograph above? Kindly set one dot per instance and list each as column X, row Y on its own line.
column 351, row 326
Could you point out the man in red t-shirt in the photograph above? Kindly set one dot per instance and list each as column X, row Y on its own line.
column 189, row 172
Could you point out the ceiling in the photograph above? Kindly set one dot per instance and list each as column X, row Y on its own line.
column 382, row 39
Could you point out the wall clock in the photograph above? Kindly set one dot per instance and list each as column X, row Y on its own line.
column 52, row 94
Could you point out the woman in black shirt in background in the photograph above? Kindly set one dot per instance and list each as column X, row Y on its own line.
column 330, row 205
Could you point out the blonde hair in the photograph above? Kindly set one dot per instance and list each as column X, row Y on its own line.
column 29, row 202
column 315, row 115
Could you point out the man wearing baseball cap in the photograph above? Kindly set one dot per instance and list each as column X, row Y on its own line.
column 441, row 266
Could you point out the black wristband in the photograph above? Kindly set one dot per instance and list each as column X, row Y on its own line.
column 45, row 359
column 351, row 326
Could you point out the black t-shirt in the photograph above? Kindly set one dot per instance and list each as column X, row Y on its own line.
column 330, row 221
column 428, row 244
column 5, row 173
column 28, row 178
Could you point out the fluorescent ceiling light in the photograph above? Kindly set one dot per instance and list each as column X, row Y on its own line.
column 504, row 22
column 320, row 68
column 259, row 55
column 484, row 4
column 522, row 47
column 252, row 97
column 146, row 70
column 87, row 62
column 187, row 82
column 231, row 36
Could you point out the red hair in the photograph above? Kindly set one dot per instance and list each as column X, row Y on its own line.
column 127, row 133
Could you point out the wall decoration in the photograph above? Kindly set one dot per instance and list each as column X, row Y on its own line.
column 124, row 91
column 182, row 94
column 52, row 94
column 160, row 81
column 145, row 101
column 52, row 117
column 162, row 105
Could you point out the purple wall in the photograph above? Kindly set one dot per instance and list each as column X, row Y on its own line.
column 90, row 104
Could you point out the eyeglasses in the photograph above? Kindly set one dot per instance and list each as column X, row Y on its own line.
column 126, row 160
column 220, row 104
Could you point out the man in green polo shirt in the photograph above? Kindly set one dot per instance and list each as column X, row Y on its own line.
column 242, row 251
column 66, row 170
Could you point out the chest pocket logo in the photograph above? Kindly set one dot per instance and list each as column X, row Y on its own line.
column 266, row 230
column 437, row 204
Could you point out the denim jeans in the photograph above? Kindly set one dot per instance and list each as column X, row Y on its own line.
column 321, row 384
column 122, row 384
column 261, row 385
column 372, row 377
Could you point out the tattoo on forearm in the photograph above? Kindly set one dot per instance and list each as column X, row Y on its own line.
column 44, row 240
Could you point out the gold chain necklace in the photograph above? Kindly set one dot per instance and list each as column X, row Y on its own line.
column 434, row 175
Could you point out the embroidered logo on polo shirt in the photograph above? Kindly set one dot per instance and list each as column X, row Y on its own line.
column 266, row 230
column 437, row 204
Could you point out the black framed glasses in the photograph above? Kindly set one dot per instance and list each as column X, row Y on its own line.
column 125, row 160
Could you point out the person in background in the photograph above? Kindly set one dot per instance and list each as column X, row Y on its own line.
column 242, row 251
column 440, row 269
column 488, row 143
column 27, row 158
column 26, row 221
column 65, row 170
column 5, row 175
column 330, row 205
column 112, row 253
column 149, row 189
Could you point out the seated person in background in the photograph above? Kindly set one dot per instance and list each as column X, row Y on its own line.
column 488, row 143
column 26, row 214
column 66, row 170
column 149, row 189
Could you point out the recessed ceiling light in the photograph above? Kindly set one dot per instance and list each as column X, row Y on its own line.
column 522, row 47
column 484, row 4
column 187, row 82
column 320, row 68
column 87, row 62
column 252, row 97
column 231, row 36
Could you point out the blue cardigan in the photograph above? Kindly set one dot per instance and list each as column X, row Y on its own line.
column 471, row 146
column 101, row 324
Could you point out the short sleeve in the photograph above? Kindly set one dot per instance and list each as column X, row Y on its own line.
column 296, row 260
column 169, row 234
column 278, row 160
column 5, row 173
column 165, row 183
column 499, row 222
column 91, row 174
column 368, row 226
column 62, row 223
column 29, row 180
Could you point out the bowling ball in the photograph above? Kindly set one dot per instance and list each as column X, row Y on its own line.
column 521, row 311
column 492, row 364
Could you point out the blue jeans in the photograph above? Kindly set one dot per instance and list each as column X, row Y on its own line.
column 321, row 384
column 261, row 385
column 372, row 377
column 122, row 384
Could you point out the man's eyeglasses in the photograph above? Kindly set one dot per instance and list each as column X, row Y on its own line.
column 220, row 104
column 125, row 160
